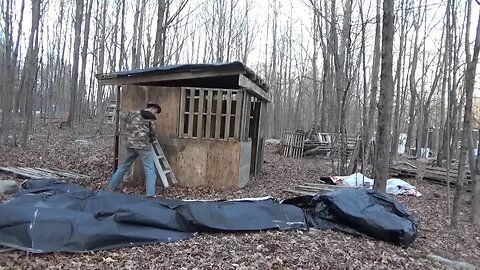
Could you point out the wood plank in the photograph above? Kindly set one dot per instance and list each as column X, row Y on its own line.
column 190, row 112
column 294, row 146
column 285, row 143
column 238, row 114
column 227, row 115
column 245, row 117
column 65, row 173
column 200, row 133
column 18, row 172
column 302, row 146
column 57, row 174
column 244, row 163
column 208, row 132
column 181, row 125
column 111, row 79
column 191, row 164
column 167, row 123
column 353, row 157
column 330, row 186
column 31, row 171
column 313, row 188
column 224, row 165
column 253, row 88
column 300, row 192
column 218, row 114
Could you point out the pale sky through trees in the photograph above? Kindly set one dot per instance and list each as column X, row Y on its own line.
column 300, row 12
column 295, row 12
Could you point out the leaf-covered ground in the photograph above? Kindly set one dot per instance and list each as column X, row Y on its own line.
column 313, row 249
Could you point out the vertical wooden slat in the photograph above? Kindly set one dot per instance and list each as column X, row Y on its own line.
column 244, row 124
column 209, row 114
column 302, row 146
column 289, row 151
column 218, row 116
column 182, row 112
column 295, row 145
column 191, row 113
column 300, row 143
column 227, row 115
column 289, row 144
column 248, row 108
column 238, row 114
column 200, row 114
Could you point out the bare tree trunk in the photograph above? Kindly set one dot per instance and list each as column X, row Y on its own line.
column 135, row 39
column 467, row 124
column 386, row 99
column 445, row 82
column 374, row 81
column 398, row 81
column 273, row 73
column 8, row 72
column 30, row 69
column 72, row 117
column 82, row 84
column 157, row 56
column 123, row 56
column 421, row 115
column 327, row 78
column 101, row 62
column 316, row 88
column 413, row 86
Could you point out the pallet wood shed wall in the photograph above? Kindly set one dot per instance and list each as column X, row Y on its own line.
column 212, row 136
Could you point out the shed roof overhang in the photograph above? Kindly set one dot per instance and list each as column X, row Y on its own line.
column 232, row 75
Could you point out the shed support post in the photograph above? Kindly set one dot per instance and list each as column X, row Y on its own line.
column 117, row 127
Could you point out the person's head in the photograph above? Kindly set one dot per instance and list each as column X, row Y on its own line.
column 154, row 108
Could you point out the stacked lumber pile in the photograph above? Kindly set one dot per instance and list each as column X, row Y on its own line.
column 323, row 143
column 429, row 173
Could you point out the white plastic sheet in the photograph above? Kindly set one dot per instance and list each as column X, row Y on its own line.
column 395, row 186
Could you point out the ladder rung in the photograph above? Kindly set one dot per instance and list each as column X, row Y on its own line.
column 167, row 171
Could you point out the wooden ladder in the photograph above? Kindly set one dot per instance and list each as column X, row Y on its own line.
column 163, row 167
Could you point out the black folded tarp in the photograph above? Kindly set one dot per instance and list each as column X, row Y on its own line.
column 56, row 216
column 360, row 211
column 53, row 216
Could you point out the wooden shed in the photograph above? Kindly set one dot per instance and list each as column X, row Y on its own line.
column 211, row 125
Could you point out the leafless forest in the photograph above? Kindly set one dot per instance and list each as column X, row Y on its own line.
column 397, row 71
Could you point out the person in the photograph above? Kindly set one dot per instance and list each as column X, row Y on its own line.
column 140, row 127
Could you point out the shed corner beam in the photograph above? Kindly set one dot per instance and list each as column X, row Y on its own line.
column 245, row 82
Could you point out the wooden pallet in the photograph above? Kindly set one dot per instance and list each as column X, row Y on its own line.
column 293, row 144
column 41, row 173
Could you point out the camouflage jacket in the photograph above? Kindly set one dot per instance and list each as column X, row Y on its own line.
column 140, row 129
